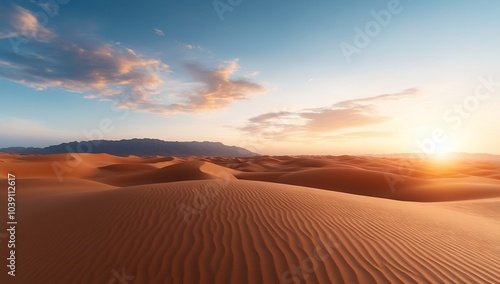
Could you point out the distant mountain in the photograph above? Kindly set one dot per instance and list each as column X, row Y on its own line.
column 138, row 147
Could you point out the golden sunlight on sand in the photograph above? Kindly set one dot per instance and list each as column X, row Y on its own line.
column 254, row 220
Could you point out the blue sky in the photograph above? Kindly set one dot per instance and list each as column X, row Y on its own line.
column 268, row 75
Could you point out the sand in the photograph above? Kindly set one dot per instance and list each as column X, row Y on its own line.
column 243, row 220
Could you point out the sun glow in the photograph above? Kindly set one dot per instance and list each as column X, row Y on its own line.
column 442, row 155
column 444, row 151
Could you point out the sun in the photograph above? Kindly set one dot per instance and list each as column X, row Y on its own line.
column 443, row 152
column 441, row 156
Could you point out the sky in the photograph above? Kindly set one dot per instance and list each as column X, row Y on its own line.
column 276, row 77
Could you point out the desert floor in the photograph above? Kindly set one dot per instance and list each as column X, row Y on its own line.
column 97, row 218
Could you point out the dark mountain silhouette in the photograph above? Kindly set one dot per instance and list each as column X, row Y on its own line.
column 138, row 147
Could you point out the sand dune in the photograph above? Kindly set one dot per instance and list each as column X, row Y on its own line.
column 370, row 176
column 121, row 168
column 251, row 232
column 191, row 170
column 197, row 220
column 373, row 177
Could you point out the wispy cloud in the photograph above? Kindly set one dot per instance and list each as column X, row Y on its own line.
column 16, row 21
column 191, row 46
column 188, row 46
column 110, row 71
column 159, row 32
column 333, row 122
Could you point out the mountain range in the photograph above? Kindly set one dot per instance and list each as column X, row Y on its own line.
column 138, row 147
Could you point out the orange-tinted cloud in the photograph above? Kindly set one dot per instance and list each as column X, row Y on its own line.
column 98, row 69
column 210, row 89
column 110, row 71
column 327, row 122
column 16, row 21
column 218, row 89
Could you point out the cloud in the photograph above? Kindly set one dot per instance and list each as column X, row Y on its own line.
column 333, row 122
column 215, row 89
column 17, row 21
column 269, row 116
column 97, row 68
column 219, row 89
column 385, row 97
column 158, row 32
column 110, row 71
column 188, row 45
